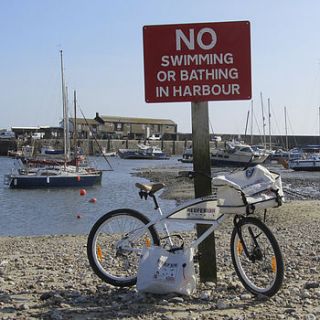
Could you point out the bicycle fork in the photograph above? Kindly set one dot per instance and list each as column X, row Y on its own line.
column 256, row 253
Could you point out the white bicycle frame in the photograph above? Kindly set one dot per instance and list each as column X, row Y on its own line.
column 198, row 211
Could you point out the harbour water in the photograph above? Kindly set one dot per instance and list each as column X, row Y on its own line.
column 64, row 211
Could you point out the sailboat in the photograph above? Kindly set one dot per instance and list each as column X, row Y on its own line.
column 54, row 174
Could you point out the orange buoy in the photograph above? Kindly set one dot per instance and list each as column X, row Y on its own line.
column 83, row 192
column 93, row 200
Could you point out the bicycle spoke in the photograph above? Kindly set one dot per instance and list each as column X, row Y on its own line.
column 115, row 244
column 261, row 270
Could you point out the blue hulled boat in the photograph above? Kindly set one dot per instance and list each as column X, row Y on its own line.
column 53, row 177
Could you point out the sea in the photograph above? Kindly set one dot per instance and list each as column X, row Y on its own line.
column 60, row 211
column 64, row 211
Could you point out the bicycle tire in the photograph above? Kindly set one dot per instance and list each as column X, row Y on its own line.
column 112, row 255
column 257, row 283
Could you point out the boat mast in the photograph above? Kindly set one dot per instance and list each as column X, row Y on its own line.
column 263, row 123
column 286, row 128
column 319, row 121
column 245, row 132
column 75, row 123
column 67, row 124
column 75, row 147
column 269, row 118
column 65, row 112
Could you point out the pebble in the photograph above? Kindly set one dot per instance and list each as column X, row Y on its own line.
column 221, row 305
column 177, row 300
column 205, row 295
column 312, row 284
column 246, row 296
column 305, row 294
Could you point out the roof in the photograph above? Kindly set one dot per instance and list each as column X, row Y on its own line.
column 136, row 120
column 25, row 128
column 85, row 121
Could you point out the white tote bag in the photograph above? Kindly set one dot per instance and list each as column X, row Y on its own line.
column 161, row 271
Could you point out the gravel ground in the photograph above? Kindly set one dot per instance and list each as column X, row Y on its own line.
column 50, row 277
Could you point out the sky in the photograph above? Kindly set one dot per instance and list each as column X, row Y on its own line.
column 102, row 45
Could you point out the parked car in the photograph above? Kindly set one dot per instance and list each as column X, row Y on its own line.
column 7, row 135
column 155, row 137
column 37, row 135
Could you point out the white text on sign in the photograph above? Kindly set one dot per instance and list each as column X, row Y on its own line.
column 189, row 42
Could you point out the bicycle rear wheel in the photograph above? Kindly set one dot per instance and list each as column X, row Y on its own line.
column 115, row 243
column 261, row 270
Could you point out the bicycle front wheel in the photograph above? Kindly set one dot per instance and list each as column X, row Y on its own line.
column 257, row 257
column 115, row 244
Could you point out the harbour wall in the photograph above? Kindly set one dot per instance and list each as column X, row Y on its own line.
column 95, row 147
column 171, row 147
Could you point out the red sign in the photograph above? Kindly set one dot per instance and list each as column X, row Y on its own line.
column 197, row 62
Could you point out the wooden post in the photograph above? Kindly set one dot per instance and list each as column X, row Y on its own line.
column 202, row 185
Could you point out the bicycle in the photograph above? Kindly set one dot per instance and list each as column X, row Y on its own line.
column 116, row 240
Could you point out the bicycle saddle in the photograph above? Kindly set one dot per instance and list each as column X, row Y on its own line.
column 154, row 187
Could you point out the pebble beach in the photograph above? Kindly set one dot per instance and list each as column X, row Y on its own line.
column 49, row 277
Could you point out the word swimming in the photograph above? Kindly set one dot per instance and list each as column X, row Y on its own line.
column 197, row 59
column 199, row 90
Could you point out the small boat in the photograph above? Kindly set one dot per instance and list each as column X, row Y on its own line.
column 14, row 153
column 103, row 152
column 50, row 150
column 236, row 155
column 187, row 156
column 24, row 152
column 310, row 163
column 306, row 158
column 52, row 176
column 143, row 152
column 279, row 154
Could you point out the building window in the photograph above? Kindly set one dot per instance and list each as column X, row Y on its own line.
column 118, row 126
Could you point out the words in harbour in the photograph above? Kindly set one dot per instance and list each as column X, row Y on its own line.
column 198, row 90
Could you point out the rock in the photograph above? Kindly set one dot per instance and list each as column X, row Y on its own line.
column 55, row 315
column 23, row 307
column 46, row 296
column 177, row 300
column 310, row 316
column 5, row 297
column 246, row 296
column 210, row 284
column 312, row 285
column 221, row 305
column 304, row 294
column 167, row 317
column 205, row 295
